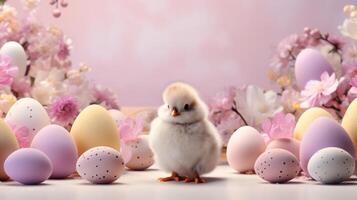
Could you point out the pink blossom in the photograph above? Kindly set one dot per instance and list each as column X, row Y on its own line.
column 130, row 129
column 318, row 93
column 224, row 99
column 7, row 71
column 22, row 133
column 21, row 86
column 281, row 125
column 64, row 49
column 63, row 110
column 228, row 126
column 105, row 97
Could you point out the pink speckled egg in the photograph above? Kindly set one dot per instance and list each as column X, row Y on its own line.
column 56, row 142
column 140, row 156
column 244, row 147
column 289, row 144
column 117, row 116
column 323, row 132
column 277, row 166
column 100, row 165
column 309, row 65
column 28, row 166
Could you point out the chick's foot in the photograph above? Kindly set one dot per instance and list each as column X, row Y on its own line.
column 174, row 177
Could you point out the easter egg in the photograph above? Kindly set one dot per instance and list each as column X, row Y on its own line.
column 277, row 166
column 331, row 165
column 309, row 65
column 117, row 116
column 290, row 144
column 17, row 54
column 140, row 155
column 100, row 165
column 56, row 142
column 307, row 118
column 26, row 117
column 28, row 166
column 94, row 127
column 8, row 144
column 244, row 147
column 349, row 122
column 323, row 132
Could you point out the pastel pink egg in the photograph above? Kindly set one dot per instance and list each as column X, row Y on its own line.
column 244, row 147
column 28, row 166
column 309, row 65
column 277, row 166
column 289, row 144
column 100, row 165
column 56, row 142
column 140, row 156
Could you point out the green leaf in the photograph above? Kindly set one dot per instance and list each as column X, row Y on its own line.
column 2, row 2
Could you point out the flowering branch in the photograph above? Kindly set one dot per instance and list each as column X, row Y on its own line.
column 235, row 110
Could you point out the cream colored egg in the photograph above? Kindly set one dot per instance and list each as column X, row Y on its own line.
column 349, row 122
column 17, row 54
column 307, row 118
column 8, row 144
column 94, row 127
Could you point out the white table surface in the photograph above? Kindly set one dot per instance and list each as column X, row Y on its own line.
column 223, row 183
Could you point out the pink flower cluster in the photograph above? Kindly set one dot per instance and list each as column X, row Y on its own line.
column 50, row 77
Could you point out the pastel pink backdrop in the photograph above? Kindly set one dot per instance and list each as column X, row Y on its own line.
column 137, row 47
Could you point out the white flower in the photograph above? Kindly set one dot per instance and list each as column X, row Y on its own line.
column 257, row 105
column 43, row 91
column 349, row 26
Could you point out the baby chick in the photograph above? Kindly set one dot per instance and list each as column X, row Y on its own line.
column 184, row 141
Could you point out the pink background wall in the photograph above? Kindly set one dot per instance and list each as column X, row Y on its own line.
column 136, row 47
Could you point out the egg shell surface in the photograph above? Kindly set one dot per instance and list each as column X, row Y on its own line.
column 244, row 147
column 331, row 165
column 26, row 116
column 100, row 165
column 309, row 65
column 277, row 166
column 93, row 127
column 307, row 118
column 349, row 122
column 8, row 144
column 28, row 166
column 141, row 156
column 290, row 144
column 323, row 132
column 56, row 142
column 17, row 54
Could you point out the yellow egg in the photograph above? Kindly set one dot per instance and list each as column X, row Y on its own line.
column 349, row 122
column 93, row 127
column 8, row 144
column 307, row 118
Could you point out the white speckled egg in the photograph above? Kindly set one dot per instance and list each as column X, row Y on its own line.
column 100, row 165
column 141, row 156
column 331, row 165
column 117, row 116
column 277, row 166
column 26, row 117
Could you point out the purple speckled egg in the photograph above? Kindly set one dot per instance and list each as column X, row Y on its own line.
column 244, row 147
column 289, row 144
column 309, row 65
column 28, row 166
column 56, row 142
column 277, row 166
column 100, row 165
column 323, row 132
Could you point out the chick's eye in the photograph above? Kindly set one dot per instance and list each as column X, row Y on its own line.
column 186, row 107
column 168, row 106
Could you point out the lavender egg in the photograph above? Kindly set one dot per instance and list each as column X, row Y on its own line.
column 309, row 65
column 277, row 166
column 28, row 166
column 100, row 165
column 290, row 144
column 323, row 132
column 56, row 142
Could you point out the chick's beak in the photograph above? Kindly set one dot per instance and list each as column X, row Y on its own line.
column 175, row 112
